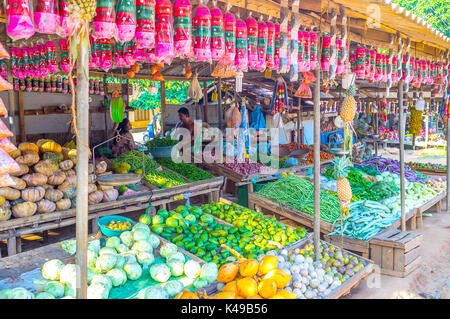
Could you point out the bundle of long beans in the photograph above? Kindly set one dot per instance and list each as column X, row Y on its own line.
column 298, row 193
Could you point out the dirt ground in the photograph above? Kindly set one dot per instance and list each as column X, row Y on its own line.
column 430, row 280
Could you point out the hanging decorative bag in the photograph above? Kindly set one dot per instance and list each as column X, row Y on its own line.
column 63, row 12
column 326, row 53
column 20, row 22
column 145, row 28
column 125, row 20
column 230, row 36
column 252, row 34
column 241, row 46
column 312, row 50
column 182, row 38
column 202, row 33
column 270, row 44
column 217, row 33
column 104, row 23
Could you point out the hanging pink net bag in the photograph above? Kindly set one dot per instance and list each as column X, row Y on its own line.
column 46, row 16
column 63, row 13
column 202, row 33
column 164, row 49
column 241, row 60
column 145, row 28
column 217, row 33
column 252, row 36
column 104, row 23
column 20, row 22
column 230, row 36
column 182, row 38
column 125, row 20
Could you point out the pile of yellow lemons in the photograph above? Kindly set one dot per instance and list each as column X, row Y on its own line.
column 119, row 225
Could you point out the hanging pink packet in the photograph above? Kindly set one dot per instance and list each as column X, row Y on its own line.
column 104, row 22
column 119, row 55
column 20, row 23
column 276, row 56
column 263, row 35
column 145, row 29
column 312, row 46
column 241, row 60
column 164, row 49
column 202, row 33
column 326, row 54
column 217, row 33
column 270, row 44
column 230, row 36
column 46, row 16
column 139, row 54
column 63, row 12
column 182, row 38
column 52, row 62
column 252, row 35
column 125, row 20
column 105, row 62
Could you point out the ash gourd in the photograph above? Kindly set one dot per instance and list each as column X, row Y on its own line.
column 202, row 33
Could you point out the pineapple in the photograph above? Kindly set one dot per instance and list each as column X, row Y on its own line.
column 340, row 172
column 349, row 105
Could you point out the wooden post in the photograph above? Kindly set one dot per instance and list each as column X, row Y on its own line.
column 299, row 114
column 205, row 101
column 82, row 103
column 23, row 134
column 317, row 162
column 401, row 138
column 219, row 101
column 163, row 106
column 448, row 166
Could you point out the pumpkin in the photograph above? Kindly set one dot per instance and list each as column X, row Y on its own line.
column 110, row 195
column 248, row 268
column 28, row 159
column 46, row 167
column 63, row 204
column 66, row 165
column 70, row 172
column 104, row 187
column 186, row 294
column 279, row 276
column 65, row 153
column 26, row 147
column 72, row 180
column 2, row 200
column 6, row 204
column 41, row 141
column 16, row 153
column 33, row 194
column 267, row 288
column 95, row 197
column 35, row 179
column 92, row 188
column 17, row 201
column 24, row 209
column 51, row 146
column 255, row 297
column 53, row 156
column 47, row 186
column 267, row 264
column 73, row 155
column 24, row 169
column 227, row 272
column 18, row 183
column 5, row 213
column 46, row 206
column 92, row 178
column 247, row 287
column 101, row 167
column 54, row 195
column 57, row 178
column 69, row 191
column 90, row 168
column 9, row 193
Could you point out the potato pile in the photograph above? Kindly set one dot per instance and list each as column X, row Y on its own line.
column 46, row 181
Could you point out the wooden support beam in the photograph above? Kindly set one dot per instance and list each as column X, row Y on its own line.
column 11, row 109
column 205, row 101
column 23, row 134
column 163, row 105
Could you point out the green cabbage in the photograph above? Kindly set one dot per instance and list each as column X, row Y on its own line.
column 69, row 246
column 120, row 261
column 142, row 245
column 122, row 248
column 44, row 295
column 113, row 242
column 160, row 272
column 105, row 262
column 127, row 238
column 69, row 274
column 69, row 291
column 167, row 250
column 140, row 234
column 140, row 226
column 91, row 258
column 97, row 291
column 102, row 279
column 173, row 288
column 5, row 294
column 154, row 240
column 55, row 288
column 118, row 277
column 21, row 293
column 209, row 272
column 51, row 269
column 130, row 256
column 155, row 292
column 94, row 245
column 91, row 272
column 199, row 283
column 133, row 271
column 176, row 267
column 107, row 250
column 145, row 258
column 178, row 256
column 192, row 269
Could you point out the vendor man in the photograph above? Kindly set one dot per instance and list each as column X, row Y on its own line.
column 185, row 122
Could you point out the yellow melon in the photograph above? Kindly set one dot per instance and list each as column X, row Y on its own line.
column 279, row 276
column 267, row 288
column 248, row 268
column 227, row 272
column 267, row 264
column 247, row 287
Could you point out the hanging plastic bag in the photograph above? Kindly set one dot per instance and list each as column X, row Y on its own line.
column 63, row 13
column 105, row 54
column 304, row 91
column 145, row 23
column 125, row 20
column 283, row 51
column 195, row 92
column 326, row 53
column 7, row 164
column 52, row 62
column 104, row 22
column 278, row 123
column 270, row 44
column 304, row 62
column 3, row 110
column 276, row 57
column 119, row 59
column 252, row 35
column 217, row 33
column 164, row 50
column 293, row 54
column 262, row 45
column 202, row 33
column 128, row 53
column 224, row 69
column 312, row 47
column 258, row 121
column 46, row 16
column 6, row 180
column 241, row 60
column 5, row 85
column 20, row 22
column 3, row 53
column 182, row 38
column 230, row 36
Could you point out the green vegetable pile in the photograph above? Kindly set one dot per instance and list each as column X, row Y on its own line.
column 164, row 179
column 134, row 159
column 160, row 142
column 369, row 170
column 189, row 171
column 298, row 193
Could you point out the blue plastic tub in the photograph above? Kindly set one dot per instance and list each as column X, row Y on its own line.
column 105, row 220
column 161, row 152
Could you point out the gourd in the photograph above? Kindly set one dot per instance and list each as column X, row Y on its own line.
column 41, row 141
column 101, row 167
column 63, row 204
column 29, row 159
column 46, row 167
column 65, row 153
column 17, row 201
column 5, row 213
column 35, row 179
column 92, row 188
column 68, row 191
column 72, row 180
column 110, row 195
column 92, row 178
column 53, row 156
column 90, row 168
column 70, row 172
column 24, row 209
column 33, row 194
column 73, row 155
column 66, row 165
column 47, row 186
column 10, row 193
column 54, row 195
column 2, row 201
column 24, row 169
column 57, row 178
column 18, row 183
column 46, row 206
column 27, row 147
column 16, row 153
column 95, row 197
column 51, row 146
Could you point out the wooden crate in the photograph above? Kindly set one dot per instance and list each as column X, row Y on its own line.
column 355, row 245
column 396, row 252
column 434, row 202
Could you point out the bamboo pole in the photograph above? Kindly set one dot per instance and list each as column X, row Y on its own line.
column 82, row 98
column 401, row 138
column 219, row 101
column 163, row 106
column 299, row 111
column 205, row 101
column 23, row 132
column 11, row 108
column 317, row 164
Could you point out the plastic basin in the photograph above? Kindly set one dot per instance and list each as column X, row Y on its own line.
column 161, row 152
column 105, row 220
